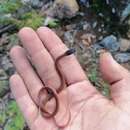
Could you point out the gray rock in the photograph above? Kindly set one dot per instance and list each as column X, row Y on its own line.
column 84, row 2
column 25, row 1
column 33, row 3
column 62, row 9
column 46, row 1
column 24, row 9
column 36, row 3
column 4, row 87
column 86, row 26
column 68, row 37
column 122, row 57
column 3, row 75
column 6, row 63
column 126, row 12
column 110, row 43
column 96, row 47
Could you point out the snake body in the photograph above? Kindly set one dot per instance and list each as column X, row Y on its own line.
column 47, row 93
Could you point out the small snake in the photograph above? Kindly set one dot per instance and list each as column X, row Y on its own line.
column 47, row 93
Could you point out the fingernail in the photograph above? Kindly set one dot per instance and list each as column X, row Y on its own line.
column 103, row 51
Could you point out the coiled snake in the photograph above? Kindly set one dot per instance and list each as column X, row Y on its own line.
column 47, row 93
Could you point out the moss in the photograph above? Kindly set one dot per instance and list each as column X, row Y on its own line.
column 30, row 19
column 93, row 75
column 53, row 23
column 13, row 39
column 4, row 20
column 3, row 87
column 11, row 117
column 9, row 6
column 2, row 117
column 99, row 83
column 7, row 9
column 106, row 90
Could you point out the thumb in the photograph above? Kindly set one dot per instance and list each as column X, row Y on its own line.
column 117, row 76
column 111, row 70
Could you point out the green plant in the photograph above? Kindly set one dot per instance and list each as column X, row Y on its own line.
column 9, row 6
column 53, row 23
column 11, row 117
column 106, row 90
column 93, row 75
column 100, row 84
column 2, row 117
column 30, row 19
column 5, row 20
column 7, row 9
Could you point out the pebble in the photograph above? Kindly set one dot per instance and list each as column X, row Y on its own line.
column 68, row 37
column 4, row 87
column 86, row 26
column 3, row 75
column 68, row 7
column 24, row 9
column 122, row 57
column 124, row 44
column 36, row 4
column 4, row 83
column 88, row 38
column 4, row 40
column 6, row 63
column 84, row 2
column 126, row 12
column 96, row 47
column 33, row 3
column 110, row 43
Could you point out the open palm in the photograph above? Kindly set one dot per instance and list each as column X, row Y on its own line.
column 89, row 109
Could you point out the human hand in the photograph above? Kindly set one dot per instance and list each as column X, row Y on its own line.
column 89, row 109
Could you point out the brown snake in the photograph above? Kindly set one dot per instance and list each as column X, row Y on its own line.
column 47, row 93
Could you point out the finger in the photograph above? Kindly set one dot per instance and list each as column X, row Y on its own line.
column 26, row 71
column 111, row 70
column 40, row 57
column 117, row 76
column 23, row 99
column 69, row 65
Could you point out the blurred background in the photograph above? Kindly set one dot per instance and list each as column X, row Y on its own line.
column 87, row 25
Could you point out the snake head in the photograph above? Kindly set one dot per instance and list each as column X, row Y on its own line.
column 70, row 52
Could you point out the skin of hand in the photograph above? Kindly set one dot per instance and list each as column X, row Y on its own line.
column 89, row 109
